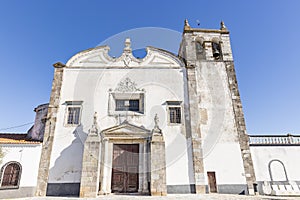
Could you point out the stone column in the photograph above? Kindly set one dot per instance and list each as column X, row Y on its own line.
column 104, row 168
column 89, row 185
column 145, row 172
column 158, row 185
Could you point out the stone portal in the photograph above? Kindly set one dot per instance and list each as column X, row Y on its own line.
column 125, row 168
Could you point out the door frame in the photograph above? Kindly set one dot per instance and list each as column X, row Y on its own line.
column 126, row 165
column 124, row 133
column 107, row 161
column 212, row 182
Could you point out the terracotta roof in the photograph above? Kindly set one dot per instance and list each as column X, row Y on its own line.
column 16, row 138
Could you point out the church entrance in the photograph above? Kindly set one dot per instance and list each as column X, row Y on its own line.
column 125, row 168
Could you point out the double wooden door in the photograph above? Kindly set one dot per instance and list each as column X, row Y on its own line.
column 125, row 170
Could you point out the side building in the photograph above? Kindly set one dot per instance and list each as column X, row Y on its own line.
column 19, row 158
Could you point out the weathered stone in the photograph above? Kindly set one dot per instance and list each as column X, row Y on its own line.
column 49, row 131
column 158, row 185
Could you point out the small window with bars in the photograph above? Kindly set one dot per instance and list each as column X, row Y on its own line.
column 175, row 115
column 11, row 174
column 127, row 105
column 174, row 112
column 73, row 115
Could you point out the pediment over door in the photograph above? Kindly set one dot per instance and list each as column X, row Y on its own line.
column 126, row 131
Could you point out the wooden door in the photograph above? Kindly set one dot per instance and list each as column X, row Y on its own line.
column 125, row 170
column 212, row 182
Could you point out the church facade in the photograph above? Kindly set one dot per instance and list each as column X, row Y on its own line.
column 163, row 123
column 156, row 125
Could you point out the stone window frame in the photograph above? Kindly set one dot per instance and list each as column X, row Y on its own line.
column 218, row 42
column 200, row 55
column 172, row 104
column 72, row 104
column 113, row 96
column 2, row 174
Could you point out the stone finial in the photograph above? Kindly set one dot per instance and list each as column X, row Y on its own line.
column 156, row 130
column 59, row 65
column 223, row 27
column 127, row 44
column 94, row 129
column 186, row 25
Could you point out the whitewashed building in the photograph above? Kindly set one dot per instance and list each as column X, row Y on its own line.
column 156, row 125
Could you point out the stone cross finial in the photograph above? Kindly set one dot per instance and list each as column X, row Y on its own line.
column 223, row 27
column 156, row 120
column 94, row 129
column 156, row 130
column 127, row 44
column 186, row 25
column 186, row 22
column 95, row 119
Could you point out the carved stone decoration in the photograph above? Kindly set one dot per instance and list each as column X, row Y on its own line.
column 127, row 60
column 89, row 184
column 127, row 56
column 94, row 129
column 223, row 27
column 127, row 86
column 156, row 130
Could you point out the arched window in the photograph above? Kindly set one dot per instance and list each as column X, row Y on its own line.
column 277, row 171
column 10, row 175
column 216, row 49
column 200, row 50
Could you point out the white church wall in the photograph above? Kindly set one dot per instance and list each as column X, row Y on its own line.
column 92, row 86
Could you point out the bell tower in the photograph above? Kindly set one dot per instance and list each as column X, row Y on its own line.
column 216, row 125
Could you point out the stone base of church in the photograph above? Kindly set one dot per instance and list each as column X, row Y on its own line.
column 17, row 193
column 63, row 189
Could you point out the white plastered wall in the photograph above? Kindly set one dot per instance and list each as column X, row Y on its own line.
column 92, row 86
column 28, row 155
column 288, row 155
column 221, row 149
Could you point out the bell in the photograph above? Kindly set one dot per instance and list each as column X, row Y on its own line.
column 216, row 53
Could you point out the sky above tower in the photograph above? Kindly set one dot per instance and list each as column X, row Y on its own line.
column 264, row 38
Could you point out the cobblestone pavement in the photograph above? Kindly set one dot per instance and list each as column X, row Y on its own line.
column 169, row 197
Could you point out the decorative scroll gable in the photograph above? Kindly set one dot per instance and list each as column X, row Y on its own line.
column 98, row 58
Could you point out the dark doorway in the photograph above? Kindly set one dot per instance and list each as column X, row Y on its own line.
column 212, row 182
column 125, row 170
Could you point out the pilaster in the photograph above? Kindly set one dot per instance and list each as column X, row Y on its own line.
column 241, row 127
column 158, row 185
column 89, row 185
column 195, row 132
column 43, row 173
column 90, row 174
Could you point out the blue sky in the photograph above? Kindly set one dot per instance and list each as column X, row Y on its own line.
column 264, row 36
